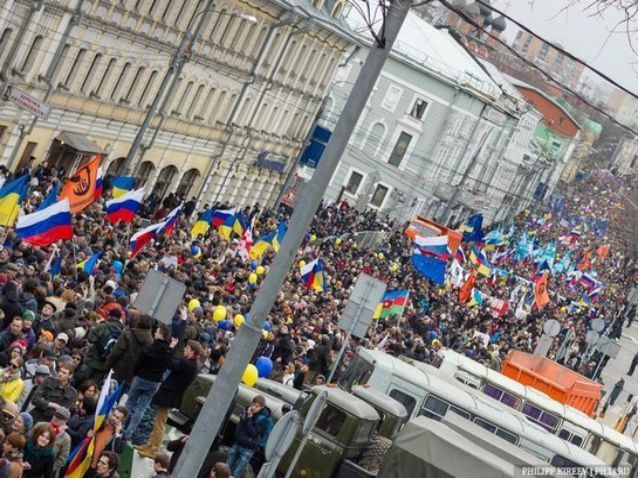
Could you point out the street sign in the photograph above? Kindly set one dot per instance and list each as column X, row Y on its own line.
column 608, row 347
column 27, row 102
column 160, row 296
column 551, row 327
column 597, row 324
column 363, row 301
column 280, row 439
column 314, row 412
column 592, row 337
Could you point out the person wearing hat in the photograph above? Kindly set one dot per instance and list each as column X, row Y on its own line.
column 22, row 424
column 54, row 393
column 103, row 338
column 60, row 344
column 45, row 320
column 28, row 317
column 62, row 445
column 8, row 413
column 31, row 384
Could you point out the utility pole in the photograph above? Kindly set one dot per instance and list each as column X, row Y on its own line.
column 48, row 78
column 180, row 58
column 7, row 65
column 223, row 391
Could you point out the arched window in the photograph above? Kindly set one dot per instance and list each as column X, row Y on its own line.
column 31, row 55
column 207, row 104
column 195, row 100
column 375, row 137
column 192, row 19
column 229, row 108
column 167, row 174
column 216, row 24
column 289, row 55
column 306, row 65
column 144, row 172
column 171, row 97
column 178, row 17
column 272, row 123
column 259, row 42
column 120, row 82
column 244, row 111
column 116, row 166
column 4, row 41
column 237, row 44
column 219, row 104
column 147, row 89
column 260, row 117
column 59, row 65
column 75, row 67
column 273, row 50
column 225, row 36
column 296, row 67
column 165, row 14
column 183, row 98
column 187, row 181
column 88, row 80
column 134, row 85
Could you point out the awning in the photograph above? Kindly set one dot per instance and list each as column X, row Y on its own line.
column 79, row 142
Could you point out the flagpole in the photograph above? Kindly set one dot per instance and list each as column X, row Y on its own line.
column 75, row 260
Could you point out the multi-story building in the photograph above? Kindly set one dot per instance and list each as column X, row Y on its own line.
column 625, row 158
column 433, row 135
column 624, row 108
column 229, row 125
column 547, row 55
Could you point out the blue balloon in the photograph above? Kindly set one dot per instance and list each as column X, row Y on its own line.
column 117, row 266
column 264, row 366
column 224, row 325
column 195, row 250
column 253, row 265
column 266, row 325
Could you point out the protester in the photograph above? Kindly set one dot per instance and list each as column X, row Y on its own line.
column 39, row 456
column 107, row 466
column 12, row 450
column 161, row 466
column 62, row 444
column 53, row 393
column 109, row 438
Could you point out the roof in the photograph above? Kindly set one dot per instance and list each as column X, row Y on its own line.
column 350, row 403
column 399, row 368
column 79, row 142
column 433, row 51
column 521, row 84
column 381, row 400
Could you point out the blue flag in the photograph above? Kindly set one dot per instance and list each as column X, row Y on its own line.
column 431, row 267
column 51, row 198
column 472, row 228
column 56, row 265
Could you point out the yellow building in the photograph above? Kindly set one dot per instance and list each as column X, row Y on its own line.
column 240, row 110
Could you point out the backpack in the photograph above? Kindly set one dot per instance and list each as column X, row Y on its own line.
column 267, row 431
column 106, row 344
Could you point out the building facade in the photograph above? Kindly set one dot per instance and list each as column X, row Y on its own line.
column 230, row 124
column 625, row 159
column 433, row 136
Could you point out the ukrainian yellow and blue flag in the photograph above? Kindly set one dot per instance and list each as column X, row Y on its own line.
column 121, row 185
column 89, row 265
column 479, row 258
column 12, row 195
column 239, row 224
column 226, row 228
column 260, row 247
column 201, row 227
column 279, row 237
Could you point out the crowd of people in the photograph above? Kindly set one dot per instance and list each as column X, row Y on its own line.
column 62, row 334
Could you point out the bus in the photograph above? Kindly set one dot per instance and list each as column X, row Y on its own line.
column 433, row 396
column 566, row 422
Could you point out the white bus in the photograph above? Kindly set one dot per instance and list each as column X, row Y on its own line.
column 566, row 422
column 433, row 396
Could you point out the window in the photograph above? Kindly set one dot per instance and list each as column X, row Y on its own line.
column 135, row 83
column 508, row 436
column 183, row 99
column 391, row 98
column 461, row 412
column 375, row 137
column 434, row 408
column 195, row 100
column 74, row 68
column 4, row 40
column 31, row 56
column 407, row 401
column 419, row 107
column 354, row 183
column 120, row 82
column 107, row 72
column 489, row 427
column 86, row 85
column 380, row 193
column 399, row 151
column 331, row 420
column 207, row 103
column 502, row 396
column 147, row 89
column 539, row 416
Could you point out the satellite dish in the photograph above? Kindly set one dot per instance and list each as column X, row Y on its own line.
column 551, row 327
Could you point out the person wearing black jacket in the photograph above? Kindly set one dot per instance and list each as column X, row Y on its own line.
column 152, row 362
column 183, row 371
column 250, row 435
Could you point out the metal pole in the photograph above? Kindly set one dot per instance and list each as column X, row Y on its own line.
column 465, row 175
column 177, row 64
column 223, row 391
column 7, row 65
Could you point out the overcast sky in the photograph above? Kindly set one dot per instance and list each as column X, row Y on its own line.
column 579, row 33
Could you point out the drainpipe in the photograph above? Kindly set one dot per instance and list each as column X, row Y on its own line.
column 48, row 78
column 229, row 125
column 7, row 65
column 250, row 135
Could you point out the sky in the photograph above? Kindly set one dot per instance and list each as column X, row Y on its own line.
column 580, row 34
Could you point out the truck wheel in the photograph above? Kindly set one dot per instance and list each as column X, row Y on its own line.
column 374, row 455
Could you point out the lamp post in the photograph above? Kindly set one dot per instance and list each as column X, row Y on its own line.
column 180, row 57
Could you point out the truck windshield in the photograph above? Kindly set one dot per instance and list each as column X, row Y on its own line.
column 358, row 373
column 423, row 230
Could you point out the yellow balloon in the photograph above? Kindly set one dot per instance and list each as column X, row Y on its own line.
column 219, row 314
column 313, row 238
column 265, row 334
column 238, row 319
column 289, row 320
column 193, row 304
column 338, row 241
column 381, row 255
column 250, row 375
column 260, row 270
column 301, row 263
column 253, row 278
column 394, row 267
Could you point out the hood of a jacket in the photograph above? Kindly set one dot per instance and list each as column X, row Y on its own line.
column 142, row 335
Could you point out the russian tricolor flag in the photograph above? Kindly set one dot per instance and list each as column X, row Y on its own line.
column 144, row 236
column 313, row 276
column 221, row 216
column 434, row 247
column 588, row 281
column 124, row 208
column 46, row 226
